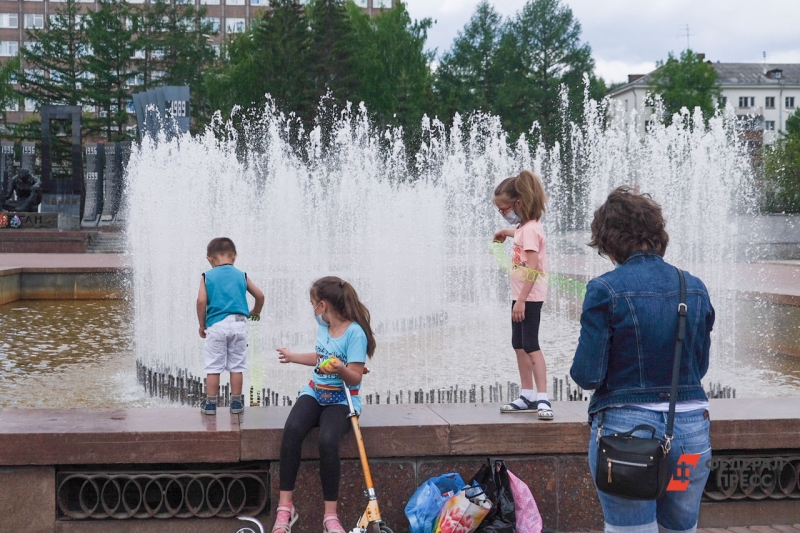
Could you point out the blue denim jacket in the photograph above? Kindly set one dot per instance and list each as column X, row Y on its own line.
column 628, row 331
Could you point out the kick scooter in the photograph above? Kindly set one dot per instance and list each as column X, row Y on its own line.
column 370, row 521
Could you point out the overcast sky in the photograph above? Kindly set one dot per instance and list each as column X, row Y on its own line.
column 628, row 36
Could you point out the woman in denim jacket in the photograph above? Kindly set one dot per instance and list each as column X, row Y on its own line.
column 626, row 350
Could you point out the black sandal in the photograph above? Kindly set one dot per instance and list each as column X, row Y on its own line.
column 545, row 410
column 530, row 407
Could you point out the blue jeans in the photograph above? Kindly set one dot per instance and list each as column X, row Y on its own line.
column 674, row 511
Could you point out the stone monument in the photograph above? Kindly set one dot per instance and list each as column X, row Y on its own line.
column 23, row 194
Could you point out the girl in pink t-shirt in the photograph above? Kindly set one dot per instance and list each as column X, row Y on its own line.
column 521, row 200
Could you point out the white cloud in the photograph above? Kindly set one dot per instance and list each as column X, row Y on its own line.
column 616, row 71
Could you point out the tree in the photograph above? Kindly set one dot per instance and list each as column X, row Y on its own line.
column 331, row 57
column 467, row 77
column 9, row 73
column 686, row 82
column 54, row 69
column 110, row 33
column 392, row 66
column 173, row 43
column 781, row 191
column 540, row 50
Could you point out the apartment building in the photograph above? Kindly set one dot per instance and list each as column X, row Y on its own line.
column 768, row 94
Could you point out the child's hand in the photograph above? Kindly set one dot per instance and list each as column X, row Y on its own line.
column 500, row 236
column 285, row 355
column 518, row 311
column 202, row 332
column 255, row 317
column 332, row 366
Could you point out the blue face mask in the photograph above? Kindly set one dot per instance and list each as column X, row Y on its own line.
column 318, row 317
column 512, row 218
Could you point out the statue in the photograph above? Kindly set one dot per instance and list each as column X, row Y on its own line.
column 28, row 189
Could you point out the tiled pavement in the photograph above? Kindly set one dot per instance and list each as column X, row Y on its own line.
column 752, row 529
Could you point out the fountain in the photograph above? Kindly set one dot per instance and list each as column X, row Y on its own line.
column 411, row 234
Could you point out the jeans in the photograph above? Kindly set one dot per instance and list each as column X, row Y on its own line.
column 674, row 511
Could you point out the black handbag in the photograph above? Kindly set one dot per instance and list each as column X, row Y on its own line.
column 636, row 467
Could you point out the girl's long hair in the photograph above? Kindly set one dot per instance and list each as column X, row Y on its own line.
column 344, row 299
column 527, row 189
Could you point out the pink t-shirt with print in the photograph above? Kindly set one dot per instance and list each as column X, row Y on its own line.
column 529, row 237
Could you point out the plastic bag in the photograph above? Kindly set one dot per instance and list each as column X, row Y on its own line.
column 493, row 477
column 424, row 506
column 528, row 518
column 464, row 512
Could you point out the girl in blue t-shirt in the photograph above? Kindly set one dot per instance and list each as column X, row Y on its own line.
column 344, row 340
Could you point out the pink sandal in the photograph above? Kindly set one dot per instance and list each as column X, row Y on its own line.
column 335, row 524
column 285, row 517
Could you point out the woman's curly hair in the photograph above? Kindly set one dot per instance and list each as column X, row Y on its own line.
column 627, row 222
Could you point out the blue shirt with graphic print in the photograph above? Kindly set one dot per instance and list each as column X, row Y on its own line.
column 349, row 348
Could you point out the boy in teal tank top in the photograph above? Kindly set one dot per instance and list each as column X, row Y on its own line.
column 222, row 312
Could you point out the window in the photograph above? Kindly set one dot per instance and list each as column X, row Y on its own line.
column 214, row 21
column 722, row 101
column 136, row 1
column 9, row 48
column 135, row 79
column 234, row 2
column 139, row 54
column 209, row 2
column 30, row 45
column 217, row 49
column 181, row 2
column 790, row 102
column 34, row 21
column 157, row 75
column 381, row 3
column 234, row 25
column 361, row 3
column 10, row 20
column 259, row 2
column 33, row 74
column 769, row 125
column 769, row 102
column 30, row 106
column 747, row 101
column 12, row 106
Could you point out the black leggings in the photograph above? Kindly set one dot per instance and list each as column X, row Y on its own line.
column 333, row 423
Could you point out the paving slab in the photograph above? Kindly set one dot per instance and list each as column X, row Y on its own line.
column 388, row 430
column 116, row 436
column 480, row 429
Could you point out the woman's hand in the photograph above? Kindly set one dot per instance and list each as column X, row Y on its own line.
column 285, row 355
column 518, row 311
column 333, row 367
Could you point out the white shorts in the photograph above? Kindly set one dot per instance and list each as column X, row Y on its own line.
column 226, row 345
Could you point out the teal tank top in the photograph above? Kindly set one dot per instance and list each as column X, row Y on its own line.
column 226, row 287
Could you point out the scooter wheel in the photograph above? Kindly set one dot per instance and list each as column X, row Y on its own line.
column 386, row 529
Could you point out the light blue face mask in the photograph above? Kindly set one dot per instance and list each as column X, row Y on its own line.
column 318, row 317
column 512, row 218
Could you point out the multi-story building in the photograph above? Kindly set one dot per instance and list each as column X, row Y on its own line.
column 767, row 94
column 227, row 17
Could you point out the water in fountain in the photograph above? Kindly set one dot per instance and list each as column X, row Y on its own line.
column 411, row 234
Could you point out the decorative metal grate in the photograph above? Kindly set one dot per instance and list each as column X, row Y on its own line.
column 753, row 478
column 89, row 495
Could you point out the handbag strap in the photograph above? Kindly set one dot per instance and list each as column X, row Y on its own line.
column 676, row 365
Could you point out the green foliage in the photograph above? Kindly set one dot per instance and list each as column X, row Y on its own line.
column 781, row 188
column 9, row 74
column 110, row 64
column 468, row 76
column 540, row 51
column 391, row 65
column 60, row 50
column 332, row 51
column 176, row 49
column 272, row 57
column 686, row 82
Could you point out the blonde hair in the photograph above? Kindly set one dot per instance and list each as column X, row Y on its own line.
column 527, row 190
